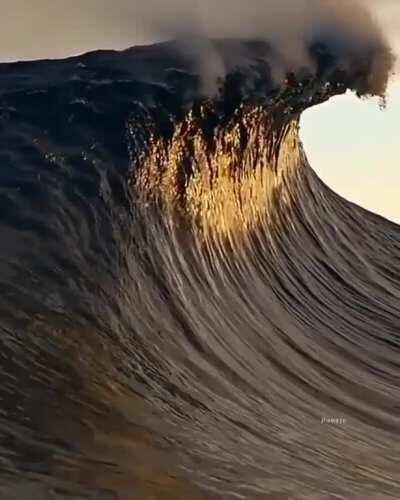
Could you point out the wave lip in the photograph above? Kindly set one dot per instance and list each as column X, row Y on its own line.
column 216, row 162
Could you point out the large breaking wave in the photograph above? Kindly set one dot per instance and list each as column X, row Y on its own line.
column 187, row 311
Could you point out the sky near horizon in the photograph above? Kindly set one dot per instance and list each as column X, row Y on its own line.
column 350, row 143
column 354, row 147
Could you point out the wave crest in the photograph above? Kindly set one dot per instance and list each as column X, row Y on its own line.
column 222, row 176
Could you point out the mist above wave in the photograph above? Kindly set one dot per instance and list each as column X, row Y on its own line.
column 345, row 29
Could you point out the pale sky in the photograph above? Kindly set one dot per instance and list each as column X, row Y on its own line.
column 351, row 144
column 354, row 148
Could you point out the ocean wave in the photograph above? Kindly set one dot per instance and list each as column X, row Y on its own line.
column 187, row 311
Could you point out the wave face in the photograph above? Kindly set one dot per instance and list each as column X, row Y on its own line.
column 187, row 311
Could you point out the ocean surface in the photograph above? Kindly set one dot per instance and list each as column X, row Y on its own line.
column 186, row 310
